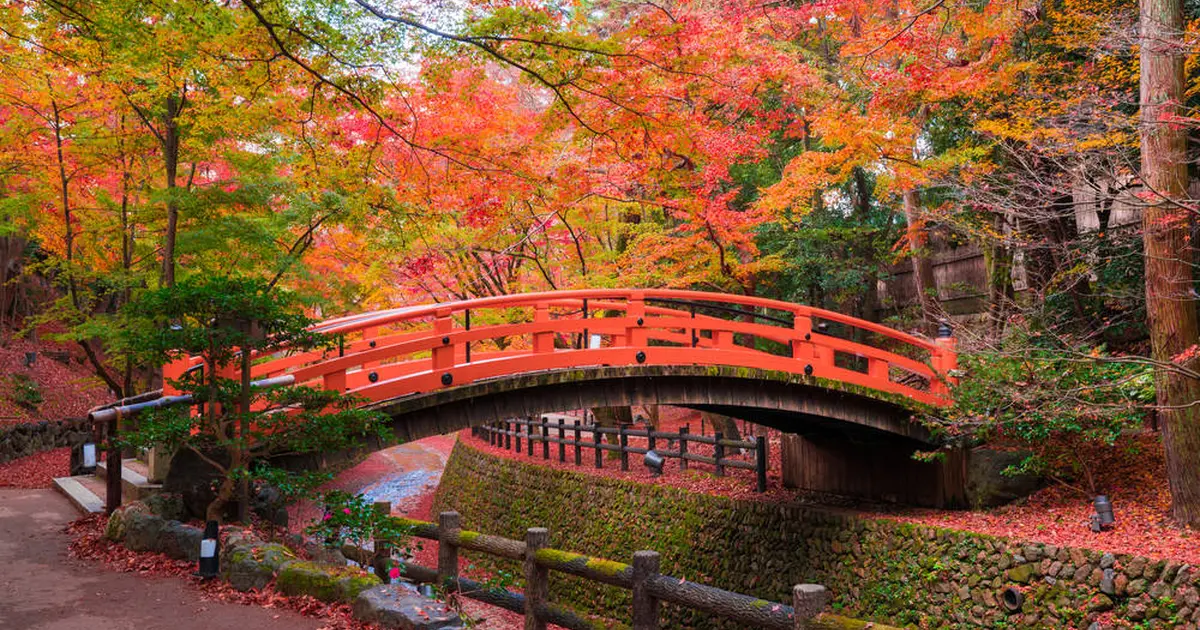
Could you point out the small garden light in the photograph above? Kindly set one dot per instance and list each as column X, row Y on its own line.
column 944, row 330
column 210, row 560
column 654, row 462
column 89, row 458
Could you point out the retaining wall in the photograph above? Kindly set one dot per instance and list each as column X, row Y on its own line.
column 878, row 569
column 28, row 438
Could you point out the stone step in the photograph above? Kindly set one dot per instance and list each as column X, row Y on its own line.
column 134, row 485
column 81, row 491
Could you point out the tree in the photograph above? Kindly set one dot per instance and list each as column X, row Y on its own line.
column 1170, row 288
column 228, row 321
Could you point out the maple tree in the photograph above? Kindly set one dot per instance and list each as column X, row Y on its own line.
column 368, row 154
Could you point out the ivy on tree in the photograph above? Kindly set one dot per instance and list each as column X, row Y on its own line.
column 234, row 423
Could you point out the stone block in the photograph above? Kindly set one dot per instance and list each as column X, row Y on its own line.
column 180, row 541
column 396, row 606
column 242, row 570
column 143, row 532
column 307, row 578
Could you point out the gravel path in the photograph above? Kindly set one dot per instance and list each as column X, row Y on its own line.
column 41, row 588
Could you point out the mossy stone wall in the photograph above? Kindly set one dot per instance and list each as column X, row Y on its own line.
column 878, row 569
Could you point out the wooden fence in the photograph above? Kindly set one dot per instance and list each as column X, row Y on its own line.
column 508, row 434
column 649, row 587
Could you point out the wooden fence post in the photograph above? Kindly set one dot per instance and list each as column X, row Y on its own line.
column 537, row 579
column 517, row 437
column 507, row 437
column 761, row 453
column 529, row 437
column 383, row 548
column 683, row 433
column 645, row 606
column 562, row 446
column 578, row 449
column 599, row 452
column 718, row 453
column 624, row 443
column 808, row 601
column 448, row 524
column 545, row 439
column 650, row 443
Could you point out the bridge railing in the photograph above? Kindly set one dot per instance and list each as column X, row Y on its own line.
column 507, row 434
column 642, row 577
column 419, row 349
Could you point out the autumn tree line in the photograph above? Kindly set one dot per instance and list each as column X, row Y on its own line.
column 368, row 154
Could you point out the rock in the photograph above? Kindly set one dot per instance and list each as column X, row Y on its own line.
column 307, row 578
column 274, row 555
column 180, row 541
column 243, row 572
column 1137, row 587
column 349, row 586
column 1100, row 603
column 143, row 532
column 1107, row 560
column 324, row 555
column 395, row 606
column 1021, row 574
column 1107, row 585
column 193, row 480
column 987, row 486
column 167, row 505
column 268, row 504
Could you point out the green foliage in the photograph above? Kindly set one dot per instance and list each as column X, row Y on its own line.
column 25, row 391
column 1053, row 399
column 349, row 519
column 217, row 320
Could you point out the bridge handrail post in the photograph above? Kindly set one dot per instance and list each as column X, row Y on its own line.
column 545, row 439
column 624, row 444
column 761, row 453
column 449, row 524
column 645, row 605
column 599, row 451
column 719, row 454
column 683, row 433
column 578, row 447
column 537, row 578
column 802, row 347
column 442, row 357
column 635, row 309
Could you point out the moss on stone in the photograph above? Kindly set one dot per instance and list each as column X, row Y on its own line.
column 308, row 578
column 350, row 586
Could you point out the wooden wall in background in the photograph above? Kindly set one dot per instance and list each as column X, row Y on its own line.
column 875, row 471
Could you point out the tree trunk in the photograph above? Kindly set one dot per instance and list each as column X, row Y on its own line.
column 998, row 259
column 868, row 305
column 1168, row 253
column 170, row 144
column 923, row 281
column 727, row 426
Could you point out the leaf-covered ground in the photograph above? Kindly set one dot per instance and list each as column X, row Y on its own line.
column 36, row 471
column 68, row 389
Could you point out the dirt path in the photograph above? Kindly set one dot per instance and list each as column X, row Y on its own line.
column 41, row 588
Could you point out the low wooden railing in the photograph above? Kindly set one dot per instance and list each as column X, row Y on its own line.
column 507, row 434
column 642, row 577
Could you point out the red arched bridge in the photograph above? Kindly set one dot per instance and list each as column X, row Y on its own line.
column 437, row 368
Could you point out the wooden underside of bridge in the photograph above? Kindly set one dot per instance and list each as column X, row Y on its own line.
column 783, row 401
column 848, row 444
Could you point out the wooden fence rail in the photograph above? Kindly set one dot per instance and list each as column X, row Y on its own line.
column 507, row 434
column 642, row 577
